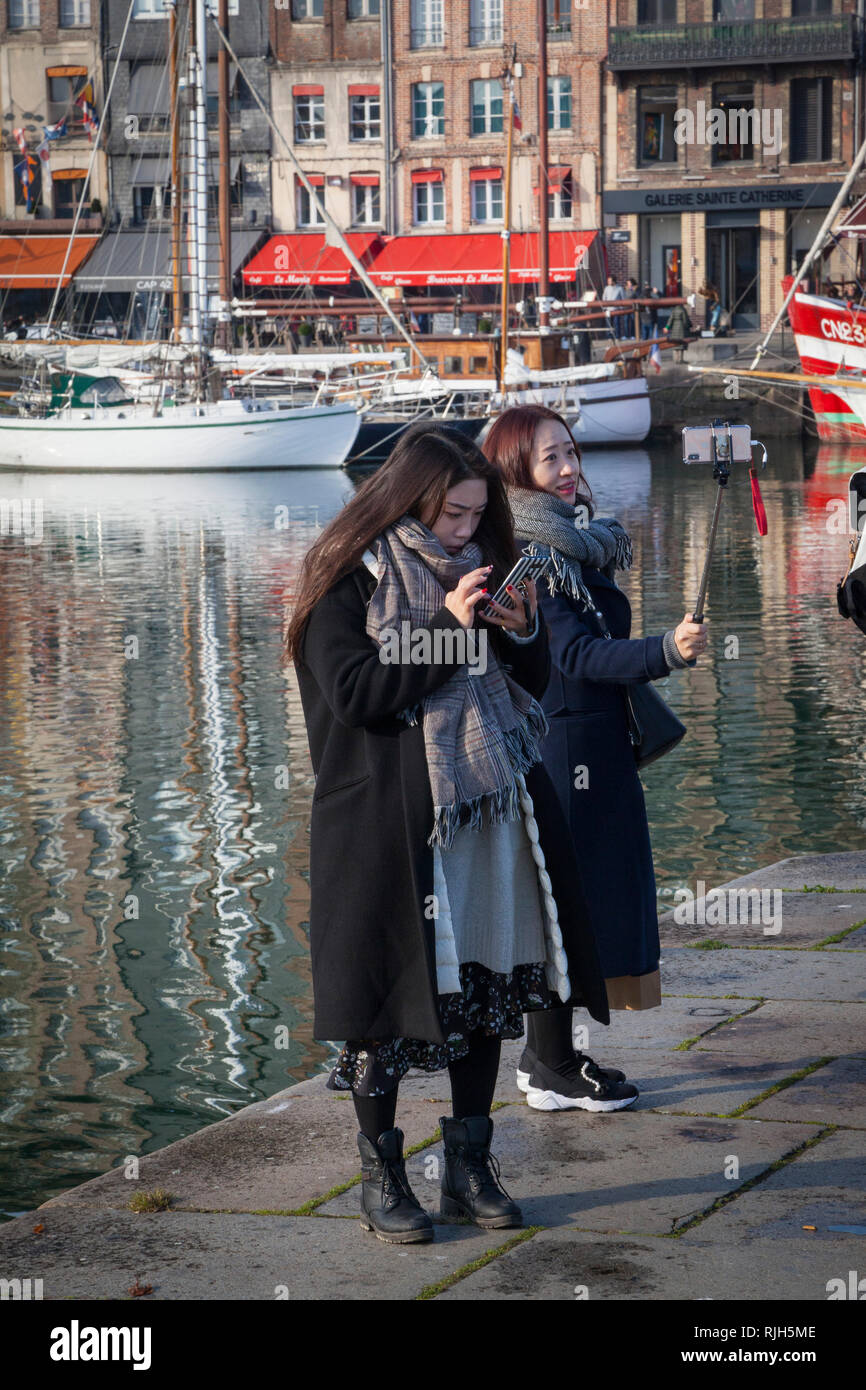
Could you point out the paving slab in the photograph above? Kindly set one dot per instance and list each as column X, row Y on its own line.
column 557, row 1265
column 203, row 1255
column 856, row 941
column 275, row 1155
column 824, row 1186
column 771, row 974
column 643, row 1173
column 693, row 1082
column 846, row 870
column 793, row 1029
column 803, row 919
column 834, row 1094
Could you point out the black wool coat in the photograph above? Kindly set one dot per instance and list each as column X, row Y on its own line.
column 371, row 869
column 585, row 705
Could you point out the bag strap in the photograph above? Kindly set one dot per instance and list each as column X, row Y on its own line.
column 635, row 732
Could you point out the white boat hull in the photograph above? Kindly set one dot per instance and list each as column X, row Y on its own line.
column 218, row 435
column 612, row 412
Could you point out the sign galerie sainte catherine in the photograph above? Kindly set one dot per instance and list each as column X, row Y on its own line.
column 697, row 199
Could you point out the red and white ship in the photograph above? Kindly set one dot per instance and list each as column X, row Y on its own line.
column 830, row 335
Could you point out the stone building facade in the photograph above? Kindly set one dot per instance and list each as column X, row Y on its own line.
column 730, row 125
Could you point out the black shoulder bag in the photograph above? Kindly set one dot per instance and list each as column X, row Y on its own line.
column 652, row 725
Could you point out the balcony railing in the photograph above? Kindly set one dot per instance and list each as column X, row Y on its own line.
column 792, row 39
column 485, row 33
column 559, row 31
column 431, row 37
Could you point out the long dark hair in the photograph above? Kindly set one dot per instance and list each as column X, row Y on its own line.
column 509, row 446
column 426, row 461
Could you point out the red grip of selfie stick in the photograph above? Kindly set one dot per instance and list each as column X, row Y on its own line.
column 758, row 504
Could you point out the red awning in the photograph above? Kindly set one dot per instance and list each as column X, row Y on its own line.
column 488, row 172
column 317, row 180
column 308, row 90
column 365, row 180
column 35, row 262
column 363, row 89
column 427, row 176
column 304, row 258
column 853, row 221
column 476, row 258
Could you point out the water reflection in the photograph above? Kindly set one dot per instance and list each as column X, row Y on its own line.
column 155, row 782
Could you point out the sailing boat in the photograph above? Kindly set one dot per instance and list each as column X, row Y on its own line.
column 98, row 427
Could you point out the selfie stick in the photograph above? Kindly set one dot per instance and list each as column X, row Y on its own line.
column 721, row 472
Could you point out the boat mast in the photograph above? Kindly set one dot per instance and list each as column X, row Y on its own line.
column 224, row 336
column 176, row 300
column 543, row 231
column 198, row 185
column 506, row 230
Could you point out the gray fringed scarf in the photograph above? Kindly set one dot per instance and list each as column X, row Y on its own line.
column 546, row 525
column 480, row 730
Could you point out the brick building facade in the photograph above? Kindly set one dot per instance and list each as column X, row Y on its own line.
column 450, row 113
column 730, row 125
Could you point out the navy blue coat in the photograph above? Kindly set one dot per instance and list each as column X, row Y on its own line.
column 585, row 705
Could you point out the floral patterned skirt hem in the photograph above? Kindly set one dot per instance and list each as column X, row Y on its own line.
column 488, row 1003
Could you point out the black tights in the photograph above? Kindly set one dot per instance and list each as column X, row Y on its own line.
column 548, row 1035
column 473, row 1081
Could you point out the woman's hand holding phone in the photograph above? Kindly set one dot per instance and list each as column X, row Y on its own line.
column 470, row 591
column 519, row 619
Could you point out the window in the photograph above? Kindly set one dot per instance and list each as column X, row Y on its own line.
column 74, row 13
column 428, row 200
column 149, row 9
column 733, row 9
column 811, row 122
column 809, row 7
column 236, row 195
column 655, row 133
column 427, row 24
column 364, row 115
column 656, row 11
column 737, row 100
column 151, row 203
column 67, row 194
column 365, row 201
column 309, row 117
column 61, row 101
column 558, row 19
column 428, row 110
column 486, row 199
column 560, row 197
column 559, row 103
column 23, row 14
column 486, row 101
column 308, row 9
column 485, row 21
column 362, row 9
column 308, row 212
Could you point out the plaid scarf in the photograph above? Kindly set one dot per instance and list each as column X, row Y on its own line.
column 550, row 526
column 480, row 730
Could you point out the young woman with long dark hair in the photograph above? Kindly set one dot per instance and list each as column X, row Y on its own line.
column 445, row 900
column 587, row 751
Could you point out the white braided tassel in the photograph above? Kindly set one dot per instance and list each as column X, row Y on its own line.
column 556, row 965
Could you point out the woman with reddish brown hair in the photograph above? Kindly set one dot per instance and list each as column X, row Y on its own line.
column 588, row 751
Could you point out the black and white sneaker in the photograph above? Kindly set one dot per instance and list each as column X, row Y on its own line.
column 528, row 1060
column 577, row 1086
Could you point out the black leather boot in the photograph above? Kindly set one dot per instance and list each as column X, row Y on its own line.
column 470, row 1180
column 389, row 1207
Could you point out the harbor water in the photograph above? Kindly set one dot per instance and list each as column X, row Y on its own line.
column 155, row 783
